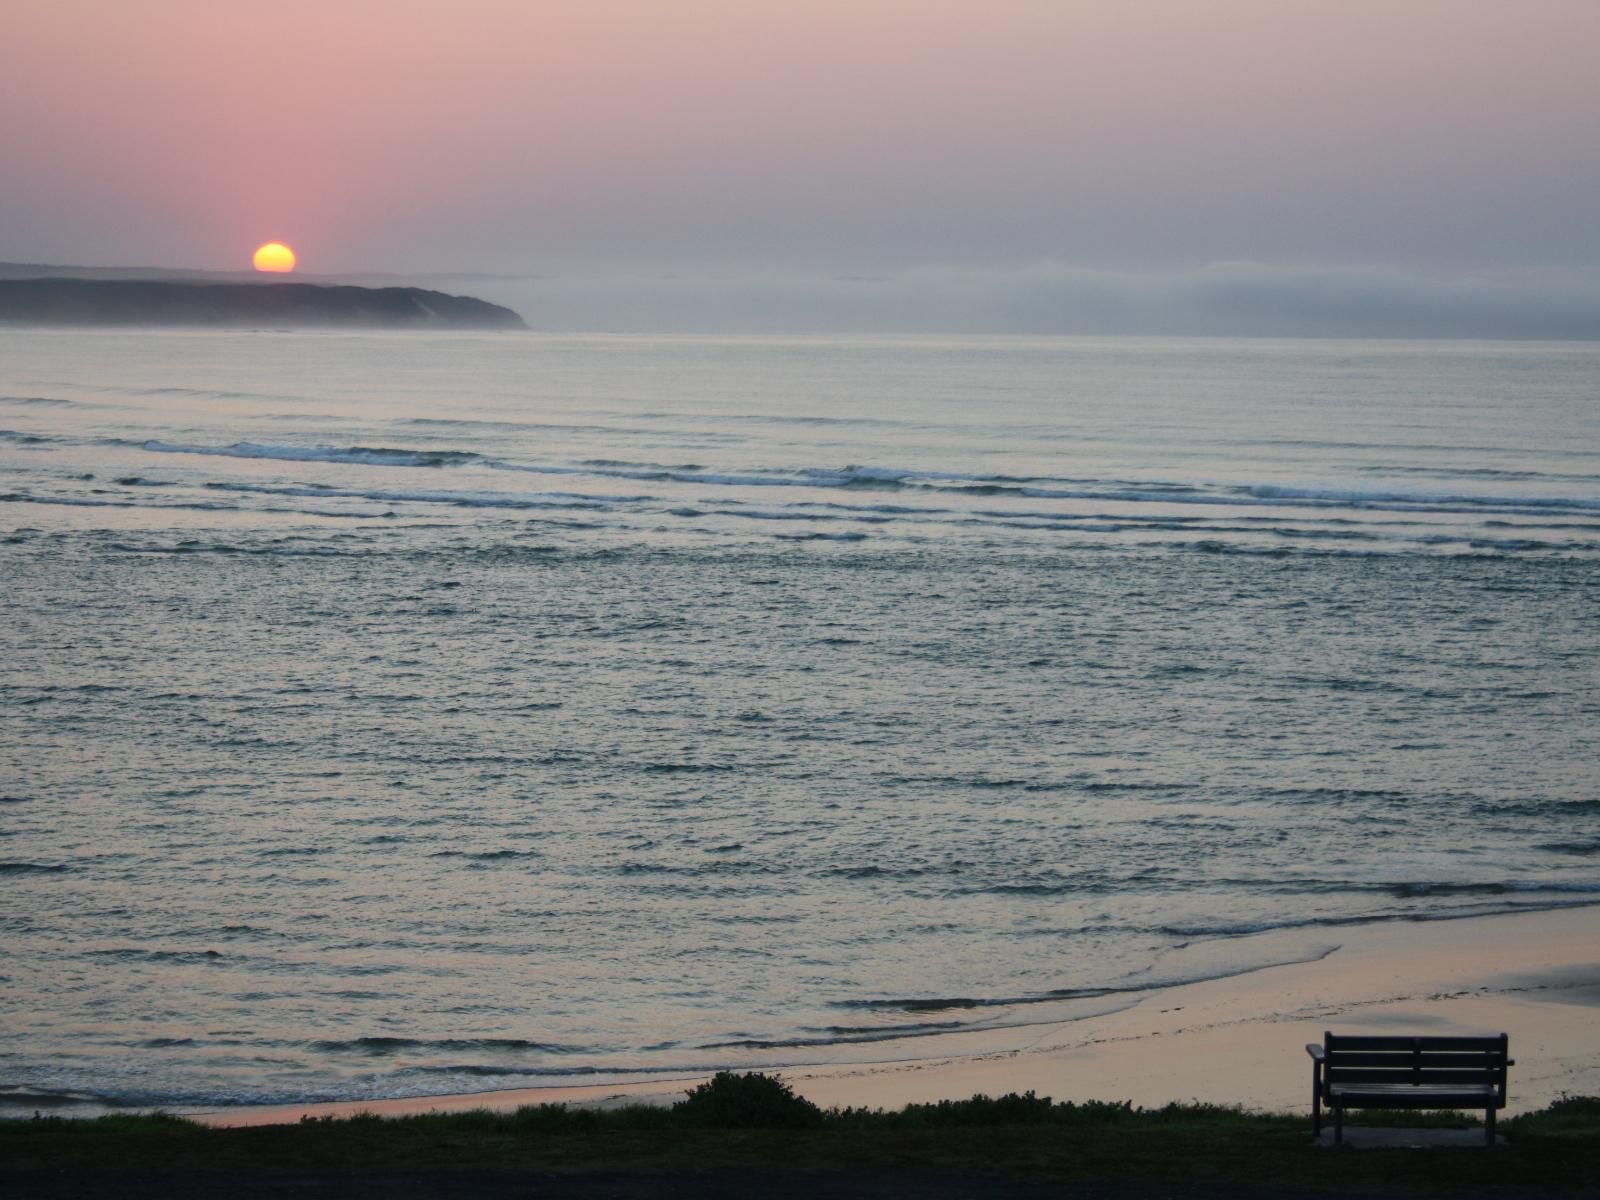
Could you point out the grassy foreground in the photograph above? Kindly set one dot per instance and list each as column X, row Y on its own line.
column 754, row 1122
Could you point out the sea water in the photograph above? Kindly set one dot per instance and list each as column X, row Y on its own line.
column 386, row 715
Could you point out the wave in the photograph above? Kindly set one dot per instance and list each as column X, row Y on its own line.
column 1507, row 887
column 791, row 419
column 24, row 1098
column 1585, row 807
column 380, row 1046
column 372, row 456
column 429, row 1080
column 271, row 551
column 1125, row 986
column 1460, row 913
column 136, row 954
column 873, row 477
column 470, row 423
column 855, row 1035
column 434, row 496
column 1479, row 473
column 1406, row 889
column 1342, row 496
column 202, row 393
column 757, row 514
column 86, row 502
column 888, row 509
column 819, row 477
column 1428, row 447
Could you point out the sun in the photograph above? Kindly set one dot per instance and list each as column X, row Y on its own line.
column 274, row 256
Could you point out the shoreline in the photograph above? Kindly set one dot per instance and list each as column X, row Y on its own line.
column 1237, row 1039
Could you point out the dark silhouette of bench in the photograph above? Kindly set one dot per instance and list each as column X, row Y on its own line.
column 1407, row 1072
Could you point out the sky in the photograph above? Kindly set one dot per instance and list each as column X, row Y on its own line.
column 1023, row 165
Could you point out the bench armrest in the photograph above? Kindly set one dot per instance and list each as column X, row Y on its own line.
column 1511, row 1062
column 1315, row 1051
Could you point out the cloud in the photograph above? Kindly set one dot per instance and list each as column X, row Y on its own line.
column 1226, row 299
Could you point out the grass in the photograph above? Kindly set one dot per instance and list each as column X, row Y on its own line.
column 733, row 1123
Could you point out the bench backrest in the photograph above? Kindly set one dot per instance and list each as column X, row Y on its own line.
column 1433, row 1061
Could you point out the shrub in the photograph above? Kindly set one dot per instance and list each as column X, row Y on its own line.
column 1010, row 1109
column 753, row 1101
column 1571, row 1118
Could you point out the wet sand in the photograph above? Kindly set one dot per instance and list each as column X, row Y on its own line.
column 1236, row 1040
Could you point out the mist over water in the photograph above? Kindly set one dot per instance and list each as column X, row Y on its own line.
column 391, row 715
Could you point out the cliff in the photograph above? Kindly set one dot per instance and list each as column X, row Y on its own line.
column 253, row 305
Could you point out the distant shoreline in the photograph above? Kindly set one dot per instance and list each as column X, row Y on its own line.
column 164, row 302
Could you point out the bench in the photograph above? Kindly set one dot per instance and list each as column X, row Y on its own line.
column 1407, row 1072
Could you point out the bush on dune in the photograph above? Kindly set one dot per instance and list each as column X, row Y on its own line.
column 1030, row 1109
column 757, row 1101
column 1010, row 1109
column 753, row 1101
column 1576, row 1117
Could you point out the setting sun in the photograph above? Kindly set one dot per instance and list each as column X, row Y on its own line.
column 274, row 256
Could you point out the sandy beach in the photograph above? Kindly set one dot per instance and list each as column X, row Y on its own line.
column 1234, row 1040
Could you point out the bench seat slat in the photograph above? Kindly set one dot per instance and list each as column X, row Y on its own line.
column 1410, row 1097
column 1408, row 1077
column 1428, row 1058
column 1337, row 1042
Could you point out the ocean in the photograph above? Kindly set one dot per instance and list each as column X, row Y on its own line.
column 388, row 715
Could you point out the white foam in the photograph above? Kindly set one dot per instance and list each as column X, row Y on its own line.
column 434, row 496
column 1267, row 491
column 375, row 456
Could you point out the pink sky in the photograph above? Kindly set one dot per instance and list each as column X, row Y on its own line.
column 760, row 135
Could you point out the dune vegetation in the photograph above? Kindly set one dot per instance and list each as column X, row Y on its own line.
column 744, row 1123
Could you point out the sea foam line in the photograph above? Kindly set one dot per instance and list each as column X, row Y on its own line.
column 875, row 477
column 433, row 496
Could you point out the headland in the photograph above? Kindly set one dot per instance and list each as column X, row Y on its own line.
column 72, row 301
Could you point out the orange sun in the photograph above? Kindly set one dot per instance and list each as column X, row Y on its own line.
column 274, row 256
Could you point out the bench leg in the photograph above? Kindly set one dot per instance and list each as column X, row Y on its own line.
column 1338, row 1124
column 1488, row 1127
column 1316, row 1112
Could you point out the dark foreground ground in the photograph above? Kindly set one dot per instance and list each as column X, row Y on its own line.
column 1016, row 1148
column 856, row 1184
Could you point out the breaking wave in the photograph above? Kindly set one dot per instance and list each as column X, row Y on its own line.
column 870, row 477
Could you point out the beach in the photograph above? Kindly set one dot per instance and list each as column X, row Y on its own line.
column 1237, row 1040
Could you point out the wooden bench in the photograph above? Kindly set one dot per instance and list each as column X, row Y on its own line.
column 1407, row 1072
